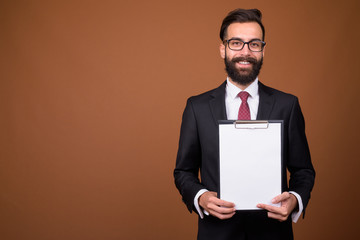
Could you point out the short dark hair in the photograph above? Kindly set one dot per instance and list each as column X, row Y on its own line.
column 241, row 16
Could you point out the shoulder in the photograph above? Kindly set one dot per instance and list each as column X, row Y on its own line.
column 279, row 95
column 203, row 96
column 208, row 95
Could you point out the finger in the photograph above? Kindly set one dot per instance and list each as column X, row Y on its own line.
column 281, row 212
column 222, row 210
column 273, row 209
column 217, row 201
column 221, row 215
column 223, row 203
column 279, row 217
column 281, row 197
column 215, row 206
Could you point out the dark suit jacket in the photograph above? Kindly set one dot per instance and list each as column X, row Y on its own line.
column 199, row 150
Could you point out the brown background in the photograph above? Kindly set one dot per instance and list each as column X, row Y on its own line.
column 92, row 94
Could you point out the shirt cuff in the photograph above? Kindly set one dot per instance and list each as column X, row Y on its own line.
column 295, row 215
column 196, row 203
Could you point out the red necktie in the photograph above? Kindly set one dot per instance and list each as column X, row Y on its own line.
column 244, row 111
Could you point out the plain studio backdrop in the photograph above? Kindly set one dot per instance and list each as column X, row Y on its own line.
column 91, row 99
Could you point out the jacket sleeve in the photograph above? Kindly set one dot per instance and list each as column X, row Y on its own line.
column 188, row 160
column 302, row 173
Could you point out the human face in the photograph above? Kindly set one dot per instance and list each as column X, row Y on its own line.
column 242, row 66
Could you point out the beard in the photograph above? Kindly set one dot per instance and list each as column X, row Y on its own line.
column 243, row 76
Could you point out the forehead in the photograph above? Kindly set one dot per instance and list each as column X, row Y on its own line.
column 245, row 31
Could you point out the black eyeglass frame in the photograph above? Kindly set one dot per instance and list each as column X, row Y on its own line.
column 254, row 40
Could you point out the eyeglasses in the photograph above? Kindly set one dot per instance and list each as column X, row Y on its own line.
column 238, row 44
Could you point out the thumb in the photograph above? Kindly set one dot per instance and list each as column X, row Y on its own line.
column 281, row 197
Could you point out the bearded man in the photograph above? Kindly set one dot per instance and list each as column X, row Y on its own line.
column 242, row 47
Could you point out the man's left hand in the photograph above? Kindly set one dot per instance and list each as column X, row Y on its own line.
column 288, row 204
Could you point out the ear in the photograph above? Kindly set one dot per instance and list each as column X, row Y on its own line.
column 222, row 50
column 263, row 51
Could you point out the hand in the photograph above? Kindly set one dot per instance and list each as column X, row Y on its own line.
column 215, row 206
column 288, row 204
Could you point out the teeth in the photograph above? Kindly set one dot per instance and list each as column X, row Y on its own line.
column 244, row 62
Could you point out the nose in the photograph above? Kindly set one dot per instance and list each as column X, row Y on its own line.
column 245, row 50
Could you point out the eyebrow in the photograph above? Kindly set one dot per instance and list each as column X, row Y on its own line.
column 236, row 38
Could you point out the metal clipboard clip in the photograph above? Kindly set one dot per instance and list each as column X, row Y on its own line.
column 245, row 124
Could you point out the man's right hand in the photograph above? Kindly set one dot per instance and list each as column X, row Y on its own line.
column 215, row 206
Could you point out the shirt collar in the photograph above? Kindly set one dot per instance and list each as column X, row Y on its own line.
column 233, row 90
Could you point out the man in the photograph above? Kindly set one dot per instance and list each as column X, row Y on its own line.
column 241, row 96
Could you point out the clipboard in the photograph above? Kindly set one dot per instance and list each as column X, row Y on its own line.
column 250, row 162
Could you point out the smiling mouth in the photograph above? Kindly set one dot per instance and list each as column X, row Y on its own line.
column 244, row 60
column 244, row 64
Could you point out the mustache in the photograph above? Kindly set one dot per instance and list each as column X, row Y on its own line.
column 246, row 59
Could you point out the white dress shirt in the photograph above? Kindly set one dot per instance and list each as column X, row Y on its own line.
column 232, row 105
column 233, row 102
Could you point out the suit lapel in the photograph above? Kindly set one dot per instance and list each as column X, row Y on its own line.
column 266, row 102
column 217, row 103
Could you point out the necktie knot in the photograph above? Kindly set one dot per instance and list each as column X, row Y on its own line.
column 243, row 95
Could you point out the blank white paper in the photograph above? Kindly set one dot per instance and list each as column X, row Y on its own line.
column 250, row 165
